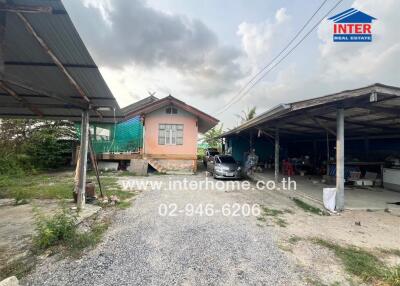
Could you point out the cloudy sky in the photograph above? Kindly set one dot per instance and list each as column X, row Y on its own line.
column 204, row 51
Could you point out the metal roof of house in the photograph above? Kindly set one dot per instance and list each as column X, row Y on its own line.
column 205, row 121
column 371, row 110
column 135, row 106
column 48, row 72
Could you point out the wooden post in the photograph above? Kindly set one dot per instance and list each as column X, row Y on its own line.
column 2, row 42
column 276, row 155
column 83, row 159
column 340, row 160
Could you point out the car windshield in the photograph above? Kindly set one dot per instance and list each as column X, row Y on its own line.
column 227, row 159
column 213, row 153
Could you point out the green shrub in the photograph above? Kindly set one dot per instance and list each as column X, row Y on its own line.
column 392, row 276
column 61, row 230
column 51, row 231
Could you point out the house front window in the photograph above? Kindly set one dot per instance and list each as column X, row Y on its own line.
column 170, row 134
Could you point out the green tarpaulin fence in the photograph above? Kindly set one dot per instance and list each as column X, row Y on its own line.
column 116, row 138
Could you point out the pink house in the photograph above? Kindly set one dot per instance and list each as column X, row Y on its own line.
column 170, row 132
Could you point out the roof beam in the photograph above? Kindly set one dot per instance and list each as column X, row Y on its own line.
column 37, row 105
column 22, row 101
column 321, row 124
column 43, row 64
column 42, row 43
column 29, row 87
column 360, row 123
column 7, row 7
column 380, row 109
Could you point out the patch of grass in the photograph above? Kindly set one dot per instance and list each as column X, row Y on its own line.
column 271, row 212
column 285, row 247
column 261, row 218
column 18, row 268
column 363, row 264
column 112, row 187
column 390, row 251
column 281, row 222
column 61, row 230
column 39, row 186
column 308, row 208
column 159, row 173
column 126, row 174
column 268, row 212
column 392, row 276
column 124, row 205
column 82, row 240
column 294, row 239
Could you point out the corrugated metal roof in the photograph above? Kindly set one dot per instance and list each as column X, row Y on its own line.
column 27, row 62
column 364, row 115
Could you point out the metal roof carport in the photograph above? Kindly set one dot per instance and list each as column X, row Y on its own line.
column 369, row 111
column 46, row 71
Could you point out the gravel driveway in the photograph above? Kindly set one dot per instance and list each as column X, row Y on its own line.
column 143, row 248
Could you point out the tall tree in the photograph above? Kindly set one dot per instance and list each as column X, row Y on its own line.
column 211, row 137
column 34, row 144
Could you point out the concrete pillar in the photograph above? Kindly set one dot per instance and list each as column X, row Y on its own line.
column 327, row 154
column 276, row 155
column 340, row 160
column 83, row 159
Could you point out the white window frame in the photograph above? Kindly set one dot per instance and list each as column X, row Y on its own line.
column 170, row 134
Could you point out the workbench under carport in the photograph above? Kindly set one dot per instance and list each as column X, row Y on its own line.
column 325, row 124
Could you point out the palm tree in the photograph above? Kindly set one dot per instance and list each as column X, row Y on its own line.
column 247, row 115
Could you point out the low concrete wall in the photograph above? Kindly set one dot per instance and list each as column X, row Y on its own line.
column 171, row 165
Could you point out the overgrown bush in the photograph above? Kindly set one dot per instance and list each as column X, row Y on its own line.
column 54, row 230
column 62, row 230
column 29, row 145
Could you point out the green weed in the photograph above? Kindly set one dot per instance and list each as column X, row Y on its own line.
column 308, row 208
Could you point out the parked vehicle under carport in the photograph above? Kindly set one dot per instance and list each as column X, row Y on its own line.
column 224, row 167
column 209, row 154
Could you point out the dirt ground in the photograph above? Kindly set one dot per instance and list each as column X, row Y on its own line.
column 17, row 225
column 293, row 229
column 373, row 231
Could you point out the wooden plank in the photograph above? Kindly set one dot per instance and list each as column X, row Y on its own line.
column 129, row 156
column 83, row 159
column 3, row 18
column 171, row 156
column 117, row 157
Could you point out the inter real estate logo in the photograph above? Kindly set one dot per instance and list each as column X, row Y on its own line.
column 352, row 25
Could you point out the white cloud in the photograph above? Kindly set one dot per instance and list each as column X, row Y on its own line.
column 363, row 63
column 141, row 49
column 339, row 66
column 260, row 39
